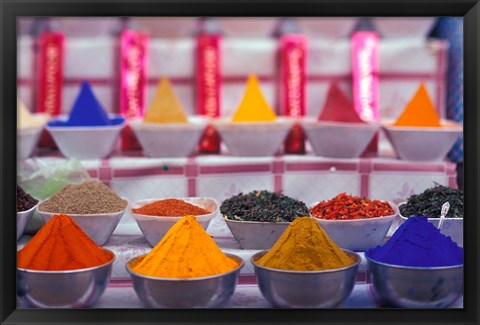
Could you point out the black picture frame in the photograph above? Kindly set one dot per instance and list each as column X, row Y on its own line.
column 10, row 9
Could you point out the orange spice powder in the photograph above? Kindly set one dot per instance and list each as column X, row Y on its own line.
column 61, row 245
column 170, row 208
column 420, row 111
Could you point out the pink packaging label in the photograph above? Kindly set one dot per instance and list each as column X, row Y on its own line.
column 50, row 72
column 133, row 73
column 133, row 81
column 365, row 66
column 208, row 73
column 293, row 57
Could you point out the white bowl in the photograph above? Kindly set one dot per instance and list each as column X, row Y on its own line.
column 452, row 227
column 99, row 227
column 403, row 27
column 423, row 144
column 247, row 27
column 28, row 139
column 23, row 217
column 253, row 138
column 155, row 227
column 358, row 234
column 169, row 139
column 327, row 27
column 338, row 139
column 85, row 142
column 255, row 234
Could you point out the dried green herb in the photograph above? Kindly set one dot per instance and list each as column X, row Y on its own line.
column 263, row 206
column 429, row 203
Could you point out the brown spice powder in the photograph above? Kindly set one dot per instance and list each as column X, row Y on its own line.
column 90, row 197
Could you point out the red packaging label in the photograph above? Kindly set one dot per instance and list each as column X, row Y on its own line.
column 293, row 65
column 208, row 64
column 50, row 55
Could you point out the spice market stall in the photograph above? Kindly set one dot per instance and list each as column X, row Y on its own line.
column 235, row 167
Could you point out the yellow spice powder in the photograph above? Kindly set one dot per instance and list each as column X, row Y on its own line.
column 186, row 251
column 304, row 246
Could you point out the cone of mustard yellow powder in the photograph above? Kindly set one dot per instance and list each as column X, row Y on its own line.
column 165, row 107
column 186, row 251
column 304, row 246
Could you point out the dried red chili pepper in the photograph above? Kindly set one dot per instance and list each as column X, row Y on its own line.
column 347, row 207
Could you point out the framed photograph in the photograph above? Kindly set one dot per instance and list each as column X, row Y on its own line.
column 314, row 104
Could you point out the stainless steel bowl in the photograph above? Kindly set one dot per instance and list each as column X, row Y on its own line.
column 416, row 287
column 63, row 289
column 205, row 292
column 306, row 289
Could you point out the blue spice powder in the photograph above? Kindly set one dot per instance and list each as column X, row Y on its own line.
column 418, row 243
column 87, row 110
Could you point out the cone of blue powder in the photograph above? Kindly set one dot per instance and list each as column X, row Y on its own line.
column 418, row 243
column 87, row 110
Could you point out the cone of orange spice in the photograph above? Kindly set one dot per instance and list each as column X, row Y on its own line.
column 347, row 207
column 61, row 245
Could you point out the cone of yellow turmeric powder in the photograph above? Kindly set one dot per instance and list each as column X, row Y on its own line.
column 186, row 251
column 305, row 268
column 186, row 269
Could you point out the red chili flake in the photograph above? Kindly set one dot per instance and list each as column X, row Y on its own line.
column 347, row 207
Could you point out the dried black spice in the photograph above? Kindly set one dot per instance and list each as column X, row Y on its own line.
column 263, row 206
column 24, row 200
column 429, row 203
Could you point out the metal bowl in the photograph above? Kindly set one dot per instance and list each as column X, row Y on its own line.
column 63, row 289
column 452, row 227
column 23, row 217
column 416, row 287
column 358, row 234
column 306, row 289
column 99, row 227
column 204, row 292
column 154, row 228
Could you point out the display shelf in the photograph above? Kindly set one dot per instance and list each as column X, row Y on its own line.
column 305, row 177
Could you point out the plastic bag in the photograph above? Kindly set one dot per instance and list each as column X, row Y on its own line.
column 41, row 178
